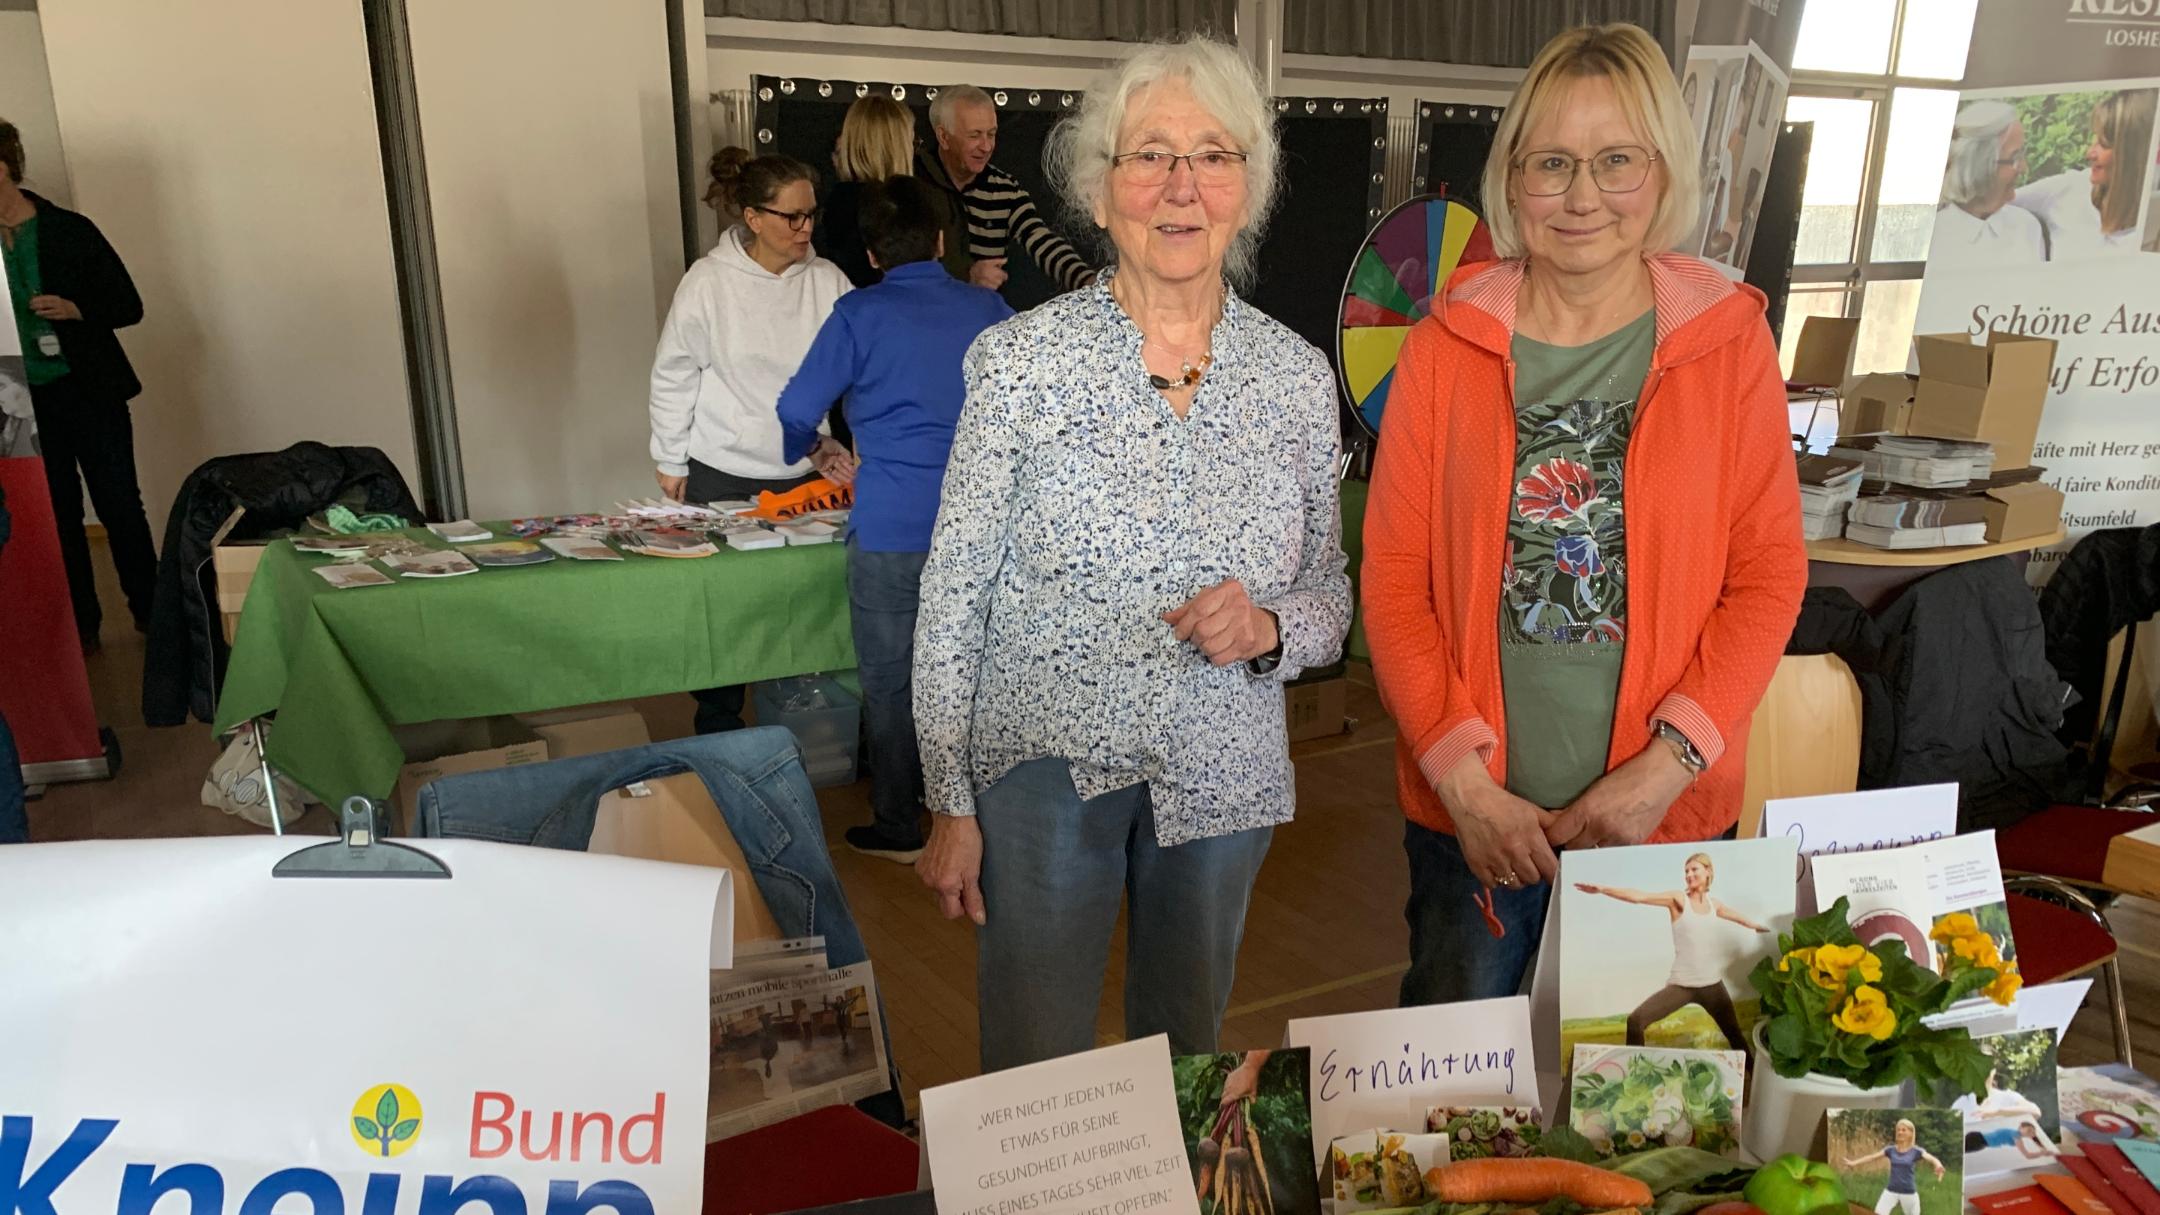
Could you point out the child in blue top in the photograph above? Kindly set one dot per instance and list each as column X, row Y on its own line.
column 894, row 351
column 1901, row 1192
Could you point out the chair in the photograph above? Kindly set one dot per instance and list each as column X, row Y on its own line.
column 1805, row 738
column 2062, row 934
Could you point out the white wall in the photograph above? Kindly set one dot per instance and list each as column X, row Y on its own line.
column 551, row 170
column 227, row 148
column 26, row 100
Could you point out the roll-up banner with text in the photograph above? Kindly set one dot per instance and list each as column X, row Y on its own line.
column 1735, row 79
column 2047, row 226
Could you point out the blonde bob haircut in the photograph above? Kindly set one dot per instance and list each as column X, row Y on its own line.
column 1649, row 97
column 1222, row 81
column 877, row 140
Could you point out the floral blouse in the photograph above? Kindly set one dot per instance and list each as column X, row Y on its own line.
column 1078, row 508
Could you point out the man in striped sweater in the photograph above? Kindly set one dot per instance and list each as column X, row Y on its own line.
column 998, row 208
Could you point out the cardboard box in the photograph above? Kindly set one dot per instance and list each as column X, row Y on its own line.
column 675, row 819
column 1994, row 393
column 2015, row 512
column 452, row 748
column 1877, row 405
column 1317, row 708
column 1824, row 354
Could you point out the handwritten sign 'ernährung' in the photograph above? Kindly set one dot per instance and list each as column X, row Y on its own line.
column 1386, row 1068
column 1089, row 1134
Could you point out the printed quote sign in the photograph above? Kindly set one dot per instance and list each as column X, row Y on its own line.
column 1088, row 1134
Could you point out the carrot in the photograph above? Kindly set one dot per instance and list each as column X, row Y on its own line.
column 1535, row 1180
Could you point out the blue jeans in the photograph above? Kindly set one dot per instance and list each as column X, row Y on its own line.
column 14, row 820
column 1053, row 869
column 754, row 775
column 883, row 592
column 1453, row 954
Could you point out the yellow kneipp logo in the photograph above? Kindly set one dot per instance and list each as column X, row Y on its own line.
column 386, row 1120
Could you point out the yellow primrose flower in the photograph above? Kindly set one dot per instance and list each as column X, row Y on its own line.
column 1806, row 956
column 1866, row 1013
column 1833, row 961
column 1870, row 967
column 2005, row 987
column 1956, row 924
column 1979, row 950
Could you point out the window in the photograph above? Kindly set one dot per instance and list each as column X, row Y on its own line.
column 1875, row 170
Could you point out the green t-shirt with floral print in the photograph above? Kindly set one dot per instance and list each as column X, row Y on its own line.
column 1563, row 609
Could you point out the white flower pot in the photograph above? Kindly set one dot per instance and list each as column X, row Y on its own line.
column 1783, row 1113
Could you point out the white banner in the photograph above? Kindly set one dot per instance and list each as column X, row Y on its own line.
column 2047, row 227
column 527, row 1036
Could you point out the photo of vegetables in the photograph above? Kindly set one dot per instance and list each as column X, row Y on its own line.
column 1477, row 1131
column 1248, row 1131
column 1383, row 1170
column 1630, row 1098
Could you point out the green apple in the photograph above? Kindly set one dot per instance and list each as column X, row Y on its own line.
column 1795, row 1185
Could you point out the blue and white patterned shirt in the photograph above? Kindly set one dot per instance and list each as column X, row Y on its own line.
column 1078, row 509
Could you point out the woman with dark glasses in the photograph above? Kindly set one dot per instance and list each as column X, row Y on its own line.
column 741, row 322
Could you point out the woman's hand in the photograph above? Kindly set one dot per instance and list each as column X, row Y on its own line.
column 834, row 463
column 1244, row 1079
column 951, row 864
column 1502, row 836
column 1626, row 804
column 1588, row 888
column 53, row 308
column 1225, row 624
column 671, row 487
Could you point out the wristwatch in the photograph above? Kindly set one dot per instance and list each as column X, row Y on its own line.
column 1683, row 750
column 1266, row 663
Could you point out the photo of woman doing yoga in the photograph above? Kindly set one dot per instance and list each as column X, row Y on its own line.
column 1700, row 950
column 1901, row 1157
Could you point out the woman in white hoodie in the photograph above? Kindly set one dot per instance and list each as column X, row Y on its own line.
column 742, row 320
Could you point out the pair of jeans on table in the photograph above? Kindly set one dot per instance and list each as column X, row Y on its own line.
column 1453, row 954
column 1053, row 869
column 720, row 709
column 884, row 591
column 755, row 776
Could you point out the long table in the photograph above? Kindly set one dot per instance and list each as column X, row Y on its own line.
column 339, row 668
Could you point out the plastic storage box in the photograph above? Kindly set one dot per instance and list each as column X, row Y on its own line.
column 825, row 719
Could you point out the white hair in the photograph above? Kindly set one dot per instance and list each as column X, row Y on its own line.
column 1975, row 147
column 1650, row 99
column 1222, row 81
column 953, row 96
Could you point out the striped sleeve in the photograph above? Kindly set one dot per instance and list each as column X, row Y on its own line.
column 1058, row 260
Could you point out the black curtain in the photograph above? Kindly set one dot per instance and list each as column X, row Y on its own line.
column 1098, row 20
column 1504, row 34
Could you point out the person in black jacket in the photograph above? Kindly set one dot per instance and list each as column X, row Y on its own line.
column 69, row 291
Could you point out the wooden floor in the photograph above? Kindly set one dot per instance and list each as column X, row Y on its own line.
column 1325, row 933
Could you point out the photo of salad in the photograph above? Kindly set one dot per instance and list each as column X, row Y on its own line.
column 1379, row 1170
column 1631, row 1098
column 1476, row 1132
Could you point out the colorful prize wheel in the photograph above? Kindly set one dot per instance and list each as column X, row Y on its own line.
column 1406, row 259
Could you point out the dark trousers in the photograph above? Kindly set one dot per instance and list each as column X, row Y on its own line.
column 14, row 819
column 720, row 709
column 884, row 590
column 90, row 441
column 1666, row 1001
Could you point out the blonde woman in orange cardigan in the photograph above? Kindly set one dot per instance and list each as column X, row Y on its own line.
column 1583, row 551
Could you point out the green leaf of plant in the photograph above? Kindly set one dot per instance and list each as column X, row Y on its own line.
column 404, row 1130
column 367, row 1128
column 386, row 1110
column 1565, row 1143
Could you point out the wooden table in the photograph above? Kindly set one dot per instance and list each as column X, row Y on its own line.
column 2133, row 862
column 1841, row 551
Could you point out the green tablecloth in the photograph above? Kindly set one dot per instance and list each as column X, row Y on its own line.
column 340, row 667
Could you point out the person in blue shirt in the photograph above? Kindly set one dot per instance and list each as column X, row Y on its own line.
column 893, row 350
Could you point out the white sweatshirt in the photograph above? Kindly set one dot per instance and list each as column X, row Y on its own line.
column 733, row 338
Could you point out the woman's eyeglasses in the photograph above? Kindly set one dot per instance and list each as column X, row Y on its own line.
column 1616, row 170
column 796, row 220
column 1209, row 168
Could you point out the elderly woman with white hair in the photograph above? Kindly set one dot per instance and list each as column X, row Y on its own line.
column 1582, row 546
column 1138, row 545
column 1977, row 221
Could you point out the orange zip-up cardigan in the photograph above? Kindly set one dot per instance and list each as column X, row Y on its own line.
column 1715, row 560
